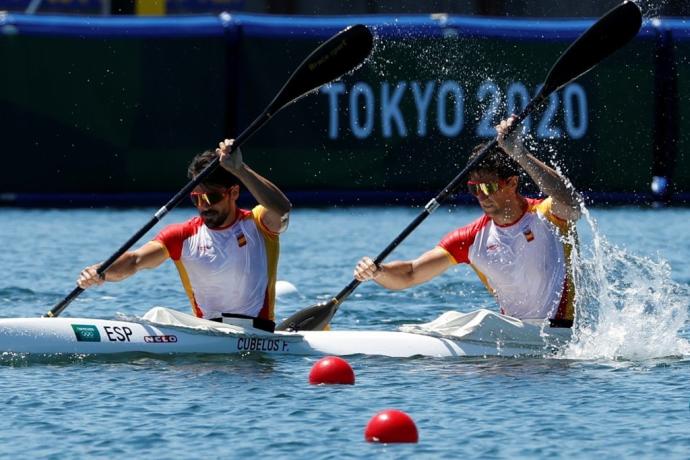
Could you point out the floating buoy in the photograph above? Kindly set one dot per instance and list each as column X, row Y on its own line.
column 285, row 288
column 331, row 370
column 391, row 426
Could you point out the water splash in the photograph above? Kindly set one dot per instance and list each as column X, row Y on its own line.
column 453, row 57
column 628, row 306
column 651, row 8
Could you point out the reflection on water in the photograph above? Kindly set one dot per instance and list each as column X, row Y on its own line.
column 251, row 364
column 615, row 384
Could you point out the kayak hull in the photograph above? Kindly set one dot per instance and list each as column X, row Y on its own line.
column 100, row 337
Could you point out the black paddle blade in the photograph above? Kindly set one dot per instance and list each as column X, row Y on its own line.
column 608, row 34
column 342, row 53
column 314, row 318
column 603, row 38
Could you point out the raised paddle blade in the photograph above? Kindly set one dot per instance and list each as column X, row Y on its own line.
column 608, row 34
column 603, row 38
column 313, row 318
column 340, row 54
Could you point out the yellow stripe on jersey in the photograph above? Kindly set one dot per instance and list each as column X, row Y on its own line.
column 448, row 254
column 544, row 208
column 484, row 280
column 188, row 288
column 272, row 245
column 568, row 230
column 258, row 213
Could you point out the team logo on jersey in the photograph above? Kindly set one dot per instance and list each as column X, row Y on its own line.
column 206, row 248
column 529, row 236
column 241, row 240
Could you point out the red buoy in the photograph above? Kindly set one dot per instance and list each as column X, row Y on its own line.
column 391, row 426
column 331, row 370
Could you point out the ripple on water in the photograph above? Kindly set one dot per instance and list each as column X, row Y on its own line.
column 602, row 401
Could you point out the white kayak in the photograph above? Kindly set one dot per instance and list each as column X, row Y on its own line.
column 165, row 331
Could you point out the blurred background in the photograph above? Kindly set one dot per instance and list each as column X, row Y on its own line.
column 105, row 102
column 535, row 8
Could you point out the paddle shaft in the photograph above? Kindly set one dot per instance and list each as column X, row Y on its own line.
column 435, row 202
column 608, row 34
column 171, row 204
column 340, row 54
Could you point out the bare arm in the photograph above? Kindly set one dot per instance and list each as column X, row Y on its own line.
column 264, row 191
column 403, row 274
column 150, row 255
column 566, row 200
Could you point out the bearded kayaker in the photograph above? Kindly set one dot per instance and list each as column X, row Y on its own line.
column 520, row 247
column 227, row 257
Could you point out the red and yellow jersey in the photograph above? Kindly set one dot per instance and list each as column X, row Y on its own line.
column 525, row 265
column 226, row 270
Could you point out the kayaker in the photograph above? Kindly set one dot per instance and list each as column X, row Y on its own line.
column 227, row 257
column 520, row 247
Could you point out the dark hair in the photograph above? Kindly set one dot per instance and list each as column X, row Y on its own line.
column 219, row 177
column 496, row 161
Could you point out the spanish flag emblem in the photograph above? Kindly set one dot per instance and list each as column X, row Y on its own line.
column 529, row 236
column 241, row 240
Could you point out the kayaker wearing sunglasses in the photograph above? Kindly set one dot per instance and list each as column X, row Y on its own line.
column 520, row 247
column 227, row 257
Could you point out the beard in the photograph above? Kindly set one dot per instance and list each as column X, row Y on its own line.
column 489, row 208
column 213, row 219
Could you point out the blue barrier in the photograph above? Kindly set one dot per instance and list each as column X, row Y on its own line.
column 249, row 55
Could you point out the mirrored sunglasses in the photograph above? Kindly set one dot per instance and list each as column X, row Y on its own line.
column 209, row 198
column 487, row 188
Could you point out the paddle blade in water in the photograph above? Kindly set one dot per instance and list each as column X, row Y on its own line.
column 603, row 38
column 314, row 318
column 341, row 54
column 608, row 34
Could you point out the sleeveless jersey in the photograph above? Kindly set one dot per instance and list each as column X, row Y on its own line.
column 227, row 270
column 525, row 265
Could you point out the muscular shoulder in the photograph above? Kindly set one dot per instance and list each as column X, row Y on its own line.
column 267, row 221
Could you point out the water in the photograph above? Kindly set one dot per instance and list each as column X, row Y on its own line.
column 621, row 390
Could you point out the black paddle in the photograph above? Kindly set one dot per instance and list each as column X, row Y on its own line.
column 608, row 34
column 342, row 53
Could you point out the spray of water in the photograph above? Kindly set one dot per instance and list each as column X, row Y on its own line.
column 628, row 307
column 651, row 8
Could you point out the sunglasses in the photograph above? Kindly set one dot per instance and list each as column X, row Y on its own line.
column 209, row 198
column 487, row 188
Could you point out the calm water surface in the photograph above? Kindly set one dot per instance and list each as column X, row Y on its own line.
column 621, row 390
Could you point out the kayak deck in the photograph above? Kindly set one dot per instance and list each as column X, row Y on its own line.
column 100, row 336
